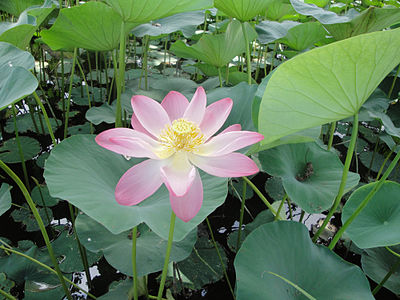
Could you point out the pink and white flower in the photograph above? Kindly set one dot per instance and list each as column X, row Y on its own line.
column 176, row 136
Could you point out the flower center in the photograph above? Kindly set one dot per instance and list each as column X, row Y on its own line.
column 182, row 135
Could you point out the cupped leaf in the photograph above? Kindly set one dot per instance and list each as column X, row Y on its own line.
column 243, row 10
column 117, row 249
column 310, row 175
column 9, row 152
column 81, row 27
column 377, row 224
column 217, row 50
column 21, row 32
column 313, row 89
column 322, row 15
column 146, row 10
column 5, row 198
column 16, row 81
column 186, row 22
column 86, row 174
column 313, row 268
column 377, row 262
column 16, row 7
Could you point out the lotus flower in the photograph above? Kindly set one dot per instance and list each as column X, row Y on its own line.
column 176, row 136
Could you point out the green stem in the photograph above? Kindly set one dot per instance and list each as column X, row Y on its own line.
column 220, row 258
column 7, row 295
column 145, row 59
column 167, row 255
column 134, row 269
column 248, row 59
column 87, row 90
column 290, row 208
column 262, row 197
column 241, row 215
column 364, row 203
column 393, row 83
column 121, row 75
column 32, row 114
column 373, row 155
column 220, row 76
column 8, row 248
column 342, row 186
column 71, row 80
column 331, row 134
column 46, row 118
column 273, row 57
column 278, row 213
column 40, row 223
column 21, row 153
column 41, row 197
column 383, row 164
column 307, row 295
column 62, row 83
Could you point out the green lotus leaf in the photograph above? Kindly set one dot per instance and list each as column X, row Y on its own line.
column 270, row 31
column 16, row 7
column 243, row 10
column 217, row 50
column 16, row 81
column 312, row 89
column 377, row 223
column 314, row 268
column 9, row 152
column 81, row 27
column 304, row 35
column 143, row 11
column 117, row 248
column 310, row 175
column 377, row 262
column 85, row 174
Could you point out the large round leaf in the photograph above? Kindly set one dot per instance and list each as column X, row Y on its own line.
column 117, row 249
column 378, row 223
column 326, row 84
column 310, row 175
column 81, row 26
column 146, row 10
column 85, row 174
column 16, row 81
column 285, row 248
column 377, row 262
column 243, row 10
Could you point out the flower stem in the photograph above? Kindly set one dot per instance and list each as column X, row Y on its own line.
column 71, row 80
column 167, row 255
column 220, row 258
column 7, row 295
column 262, row 197
column 346, row 168
column 389, row 273
column 364, row 203
column 248, row 59
column 40, row 223
column 135, row 277
column 331, row 134
column 120, row 76
column 241, row 215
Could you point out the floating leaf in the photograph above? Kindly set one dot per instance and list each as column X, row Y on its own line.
column 311, row 89
column 318, row 271
column 9, row 152
column 25, row 216
column 42, row 197
column 16, row 81
column 5, row 198
column 91, row 173
column 377, row 262
column 25, row 123
column 377, row 223
column 104, row 113
column 117, row 249
column 310, row 175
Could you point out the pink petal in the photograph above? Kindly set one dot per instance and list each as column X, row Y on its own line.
column 215, row 116
column 128, row 142
column 178, row 174
column 234, row 127
column 188, row 205
column 228, row 142
column 228, row 165
column 175, row 105
column 137, row 126
column 197, row 107
column 150, row 114
column 139, row 182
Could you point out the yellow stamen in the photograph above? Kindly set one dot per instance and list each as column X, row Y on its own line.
column 182, row 135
